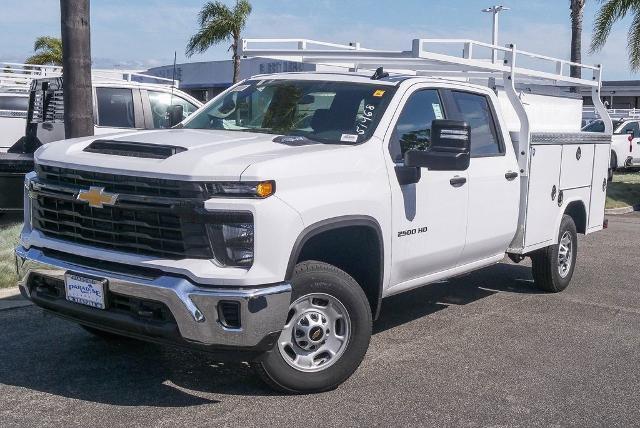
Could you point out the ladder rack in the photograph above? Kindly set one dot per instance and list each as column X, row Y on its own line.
column 511, row 68
column 16, row 75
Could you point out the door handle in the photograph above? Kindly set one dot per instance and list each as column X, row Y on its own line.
column 457, row 181
column 511, row 175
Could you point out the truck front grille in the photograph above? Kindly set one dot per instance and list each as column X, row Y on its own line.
column 143, row 186
column 159, row 227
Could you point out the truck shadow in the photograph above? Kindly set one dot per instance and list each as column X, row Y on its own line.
column 42, row 353
column 462, row 290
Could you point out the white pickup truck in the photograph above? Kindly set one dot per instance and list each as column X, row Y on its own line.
column 272, row 223
column 625, row 143
column 122, row 102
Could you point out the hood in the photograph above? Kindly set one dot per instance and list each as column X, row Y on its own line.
column 204, row 155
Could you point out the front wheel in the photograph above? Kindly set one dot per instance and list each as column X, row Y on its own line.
column 553, row 266
column 325, row 336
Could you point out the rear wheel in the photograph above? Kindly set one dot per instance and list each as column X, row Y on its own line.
column 553, row 266
column 326, row 334
column 613, row 165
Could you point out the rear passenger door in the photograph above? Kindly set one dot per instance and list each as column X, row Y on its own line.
column 117, row 108
column 494, row 186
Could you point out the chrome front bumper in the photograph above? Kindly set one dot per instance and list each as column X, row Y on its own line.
column 263, row 310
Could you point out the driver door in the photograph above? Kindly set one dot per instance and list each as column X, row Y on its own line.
column 429, row 217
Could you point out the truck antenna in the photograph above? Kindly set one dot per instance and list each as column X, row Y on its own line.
column 173, row 79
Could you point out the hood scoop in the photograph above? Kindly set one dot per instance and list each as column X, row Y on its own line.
column 133, row 149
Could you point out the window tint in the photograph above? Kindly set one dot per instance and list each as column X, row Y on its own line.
column 475, row 110
column 321, row 111
column 14, row 103
column 160, row 101
column 631, row 126
column 413, row 130
column 595, row 126
column 115, row 107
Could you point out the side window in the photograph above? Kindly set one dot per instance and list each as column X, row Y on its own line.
column 631, row 126
column 160, row 101
column 413, row 130
column 115, row 107
column 475, row 110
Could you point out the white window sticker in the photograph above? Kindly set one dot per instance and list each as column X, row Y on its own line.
column 349, row 138
column 437, row 110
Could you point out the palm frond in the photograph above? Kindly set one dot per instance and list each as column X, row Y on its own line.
column 45, row 58
column 47, row 43
column 218, row 23
column 610, row 12
column 633, row 40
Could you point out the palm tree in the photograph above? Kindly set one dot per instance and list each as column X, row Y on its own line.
column 610, row 12
column 577, row 15
column 48, row 51
column 219, row 23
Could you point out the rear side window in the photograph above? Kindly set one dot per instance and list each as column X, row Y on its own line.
column 595, row 126
column 115, row 107
column 476, row 111
column 413, row 130
column 14, row 103
column 631, row 126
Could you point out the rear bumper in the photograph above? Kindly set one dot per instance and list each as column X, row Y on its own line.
column 182, row 312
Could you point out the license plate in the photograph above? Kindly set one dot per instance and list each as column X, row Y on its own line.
column 85, row 291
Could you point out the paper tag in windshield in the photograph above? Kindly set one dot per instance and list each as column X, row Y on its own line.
column 349, row 138
column 437, row 110
column 378, row 93
column 239, row 88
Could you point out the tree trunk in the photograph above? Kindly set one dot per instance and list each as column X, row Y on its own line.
column 76, row 72
column 236, row 60
column 577, row 15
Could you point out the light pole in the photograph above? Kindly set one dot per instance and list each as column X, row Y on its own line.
column 496, row 11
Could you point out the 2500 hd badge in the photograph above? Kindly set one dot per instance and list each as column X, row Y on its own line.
column 410, row 232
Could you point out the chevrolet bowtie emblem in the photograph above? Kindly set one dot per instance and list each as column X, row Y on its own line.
column 97, row 197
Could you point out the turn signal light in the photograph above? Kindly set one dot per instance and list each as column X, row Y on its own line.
column 264, row 189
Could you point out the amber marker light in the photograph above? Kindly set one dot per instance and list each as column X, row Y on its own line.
column 265, row 189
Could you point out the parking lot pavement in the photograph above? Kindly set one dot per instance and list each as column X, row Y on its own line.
column 483, row 349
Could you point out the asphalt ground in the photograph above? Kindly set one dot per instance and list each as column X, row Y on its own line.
column 485, row 349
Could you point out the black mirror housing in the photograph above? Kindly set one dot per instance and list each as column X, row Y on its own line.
column 450, row 148
column 174, row 115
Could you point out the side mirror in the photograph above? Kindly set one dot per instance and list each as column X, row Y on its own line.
column 450, row 148
column 174, row 115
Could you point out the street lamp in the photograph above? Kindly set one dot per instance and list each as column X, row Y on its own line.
column 496, row 11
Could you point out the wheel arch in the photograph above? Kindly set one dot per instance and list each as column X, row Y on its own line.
column 326, row 233
column 577, row 210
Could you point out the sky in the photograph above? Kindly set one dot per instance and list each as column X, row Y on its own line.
column 145, row 33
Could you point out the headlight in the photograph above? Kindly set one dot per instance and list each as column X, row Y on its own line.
column 232, row 237
column 239, row 189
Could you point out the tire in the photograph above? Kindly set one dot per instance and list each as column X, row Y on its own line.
column 552, row 271
column 613, row 165
column 320, row 291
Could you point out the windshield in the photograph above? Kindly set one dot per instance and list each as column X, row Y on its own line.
column 329, row 112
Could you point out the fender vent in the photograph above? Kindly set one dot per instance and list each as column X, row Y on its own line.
column 133, row 149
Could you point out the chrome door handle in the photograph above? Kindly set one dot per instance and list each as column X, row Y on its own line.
column 457, row 181
column 511, row 175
